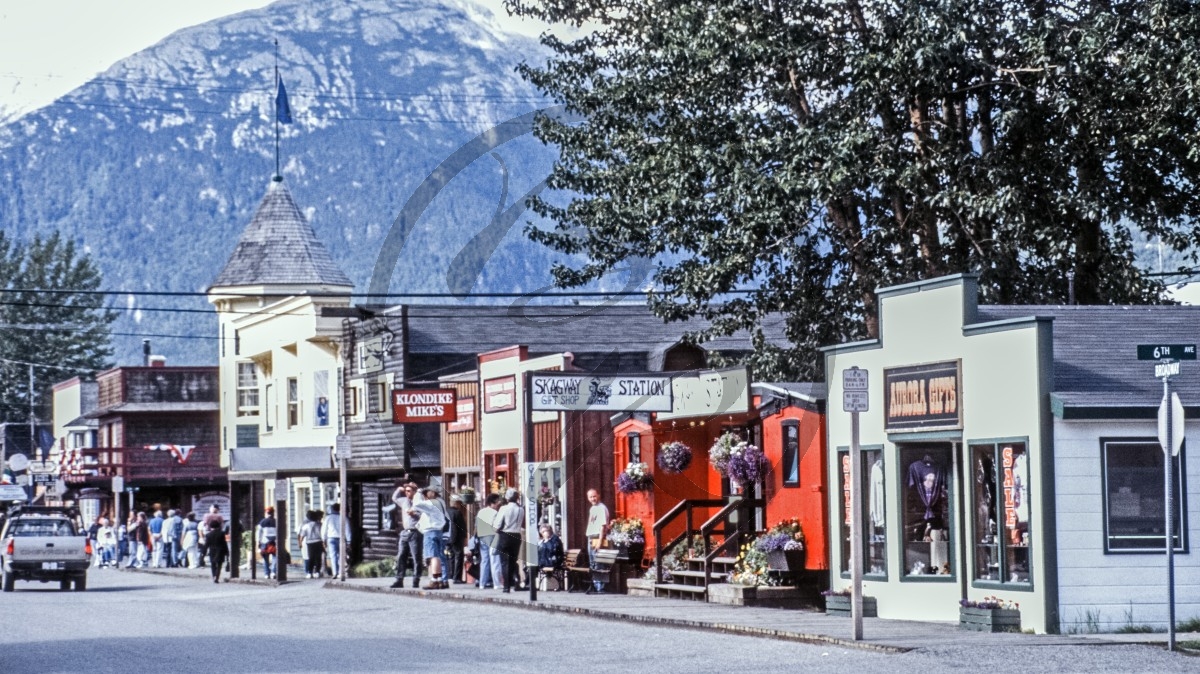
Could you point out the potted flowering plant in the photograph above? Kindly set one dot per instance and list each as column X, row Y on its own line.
column 741, row 462
column 990, row 614
column 783, row 545
column 635, row 478
column 674, row 457
column 628, row 536
column 466, row 495
column 545, row 497
column 837, row 603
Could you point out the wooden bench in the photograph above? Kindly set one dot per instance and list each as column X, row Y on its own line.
column 575, row 564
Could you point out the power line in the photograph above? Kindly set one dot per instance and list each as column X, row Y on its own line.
column 418, row 295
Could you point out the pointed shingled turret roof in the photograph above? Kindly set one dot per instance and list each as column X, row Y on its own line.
column 280, row 248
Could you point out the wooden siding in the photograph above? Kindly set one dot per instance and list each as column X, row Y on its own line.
column 377, row 543
column 547, row 441
column 140, row 466
column 589, row 465
column 377, row 442
column 111, row 388
column 463, row 450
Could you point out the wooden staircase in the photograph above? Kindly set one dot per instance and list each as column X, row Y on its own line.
column 693, row 582
column 720, row 536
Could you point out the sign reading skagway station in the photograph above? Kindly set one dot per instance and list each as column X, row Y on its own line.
column 418, row 406
column 923, row 397
column 560, row 392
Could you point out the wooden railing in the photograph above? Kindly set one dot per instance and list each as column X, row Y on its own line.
column 732, row 535
column 98, row 465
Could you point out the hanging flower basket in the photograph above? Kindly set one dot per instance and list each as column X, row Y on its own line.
column 674, row 457
column 740, row 461
column 635, row 478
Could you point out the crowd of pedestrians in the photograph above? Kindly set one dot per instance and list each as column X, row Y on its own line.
column 161, row 541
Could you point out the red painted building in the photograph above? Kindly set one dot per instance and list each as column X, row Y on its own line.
column 786, row 420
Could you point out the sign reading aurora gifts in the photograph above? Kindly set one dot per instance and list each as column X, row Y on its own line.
column 923, row 397
column 558, row 392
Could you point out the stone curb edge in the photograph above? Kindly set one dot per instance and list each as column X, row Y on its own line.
column 727, row 628
column 207, row 579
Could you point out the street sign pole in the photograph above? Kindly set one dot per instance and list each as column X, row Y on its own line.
column 1169, row 461
column 855, row 397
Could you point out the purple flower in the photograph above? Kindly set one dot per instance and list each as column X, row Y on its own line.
column 747, row 464
column 674, row 457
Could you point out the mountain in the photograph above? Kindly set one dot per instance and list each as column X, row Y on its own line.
column 156, row 166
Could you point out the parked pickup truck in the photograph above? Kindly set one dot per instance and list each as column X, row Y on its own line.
column 45, row 544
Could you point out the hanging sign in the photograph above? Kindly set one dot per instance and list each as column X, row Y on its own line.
column 500, row 394
column 465, row 420
column 923, row 397
column 709, row 394
column 417, row 406
column 560, row 392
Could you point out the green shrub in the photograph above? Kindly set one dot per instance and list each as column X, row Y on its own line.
column 1189, row 625
column 382, row 568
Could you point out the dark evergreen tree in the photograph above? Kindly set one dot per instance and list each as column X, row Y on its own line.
column 64, row 334
column 817, row 149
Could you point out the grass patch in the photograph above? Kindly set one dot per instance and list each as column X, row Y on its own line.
column 1189, row 625
column 1135, row 629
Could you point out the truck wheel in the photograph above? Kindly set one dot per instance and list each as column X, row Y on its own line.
column 64, row 584
column 9, row 582
column 81, row 583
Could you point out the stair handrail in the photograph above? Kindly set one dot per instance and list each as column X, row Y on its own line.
column 685, row 506
column 745, row 507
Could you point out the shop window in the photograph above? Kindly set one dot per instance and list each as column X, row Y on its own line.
column 377, row 397
column 925, row 482
column 1000, row 512
column 293, row 402
column 635, row 447
column 874, row 512
column 791, row 452
column 247, row 390
column 1133, row 497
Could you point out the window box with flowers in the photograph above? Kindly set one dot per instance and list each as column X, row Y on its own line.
column 784, row 546
column 628, row 536
column 989, row 614
column 837, row 603
column 466, row 495
column 635, row 478
column 741, row 462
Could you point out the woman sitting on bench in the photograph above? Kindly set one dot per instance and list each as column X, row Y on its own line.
column 550, row 558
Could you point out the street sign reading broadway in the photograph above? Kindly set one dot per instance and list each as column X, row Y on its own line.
column 588, row 393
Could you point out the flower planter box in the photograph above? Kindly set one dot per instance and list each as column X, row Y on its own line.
column 468, row 499
column 989, row 619
column 839, row 605
column 631, row 552
column 786, row 560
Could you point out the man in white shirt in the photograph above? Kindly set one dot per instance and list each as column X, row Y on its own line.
column 331, row 531
column 597, row 531
column 409, row 547
column 508, row 537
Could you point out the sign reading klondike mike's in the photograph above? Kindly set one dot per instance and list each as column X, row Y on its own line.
column 416, row 406
column 923, row 397
column 560, row 392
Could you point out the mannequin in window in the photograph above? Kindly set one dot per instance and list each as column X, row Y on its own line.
column 929, row 481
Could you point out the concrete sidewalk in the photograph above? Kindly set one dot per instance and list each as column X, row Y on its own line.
column 892, row 636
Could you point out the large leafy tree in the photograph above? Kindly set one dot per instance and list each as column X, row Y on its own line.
column 815, row 150
column 63, row 334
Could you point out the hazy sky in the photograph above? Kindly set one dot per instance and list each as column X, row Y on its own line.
column 49, row 47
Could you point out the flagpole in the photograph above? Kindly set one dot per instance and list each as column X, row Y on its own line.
column 278, row 177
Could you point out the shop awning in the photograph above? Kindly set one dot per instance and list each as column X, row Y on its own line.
column 250, row 464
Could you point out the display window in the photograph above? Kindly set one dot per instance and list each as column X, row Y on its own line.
column 874, row 512
column 1134, row 506
column 1000, row 512
column 926, row 483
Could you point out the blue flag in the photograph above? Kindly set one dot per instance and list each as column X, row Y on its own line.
column 283, row 111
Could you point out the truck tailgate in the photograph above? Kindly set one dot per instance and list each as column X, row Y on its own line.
column 48, row 548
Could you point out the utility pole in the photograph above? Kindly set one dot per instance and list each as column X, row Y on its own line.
column 34, row 450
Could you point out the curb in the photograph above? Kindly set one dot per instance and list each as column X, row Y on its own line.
column 727, row 628
column 207, row 579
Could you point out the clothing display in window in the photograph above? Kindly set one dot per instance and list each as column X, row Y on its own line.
column 876, row 493
column 928, row 479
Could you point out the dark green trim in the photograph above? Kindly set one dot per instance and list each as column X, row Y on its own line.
column 1003, row 544
column 849, row 347
column 930, row 284
column 1004, row 325
column 1047, row 559
column 926, row 436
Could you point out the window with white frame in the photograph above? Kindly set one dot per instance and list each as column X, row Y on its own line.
column 293, row 402
column 247, row 390
column 377, row 402
column 1134, row 505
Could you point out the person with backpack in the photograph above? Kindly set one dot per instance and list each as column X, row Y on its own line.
column 267, row 543
column 311, row 544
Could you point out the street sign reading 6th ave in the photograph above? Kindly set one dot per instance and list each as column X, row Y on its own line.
column 1166, row 351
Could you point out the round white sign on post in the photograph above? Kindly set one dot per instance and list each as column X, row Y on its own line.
column 18, row 462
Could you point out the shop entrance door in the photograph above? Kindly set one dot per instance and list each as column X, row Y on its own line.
column 548, row 496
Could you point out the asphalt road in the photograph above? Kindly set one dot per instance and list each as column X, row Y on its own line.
column 131, row 622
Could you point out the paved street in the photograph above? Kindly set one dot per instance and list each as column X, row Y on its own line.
column 144, row 622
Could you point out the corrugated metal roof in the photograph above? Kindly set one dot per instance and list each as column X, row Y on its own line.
column 280, row 248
